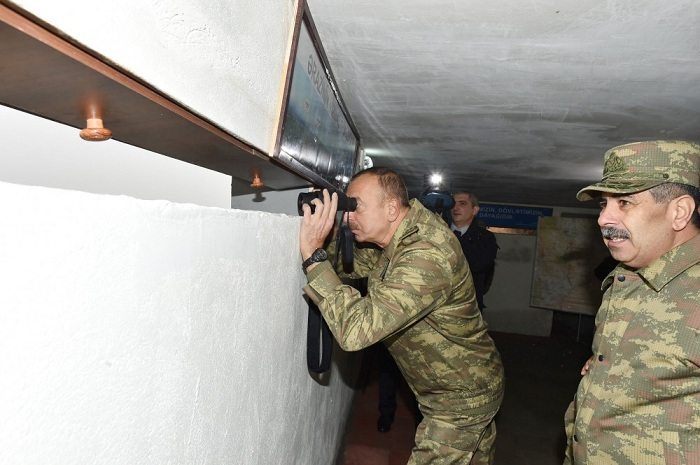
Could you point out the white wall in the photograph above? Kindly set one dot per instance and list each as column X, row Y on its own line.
column 39, row 152
column 508, row 300
column 144, row 331
column 224, row 59
column 149, row 332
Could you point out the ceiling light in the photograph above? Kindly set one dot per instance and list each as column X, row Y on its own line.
column 435, row 179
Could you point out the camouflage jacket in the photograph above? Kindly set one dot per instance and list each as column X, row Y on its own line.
column 640, row 401
column 420, row 301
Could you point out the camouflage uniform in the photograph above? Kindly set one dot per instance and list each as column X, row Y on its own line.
column 639, row 403
column 420, row 301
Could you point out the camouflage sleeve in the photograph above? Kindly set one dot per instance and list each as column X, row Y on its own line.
column 417, row 280
column 569, row 419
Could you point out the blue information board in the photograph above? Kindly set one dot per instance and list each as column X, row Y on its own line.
column 511, row 216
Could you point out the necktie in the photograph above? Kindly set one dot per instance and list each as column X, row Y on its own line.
column 458, row 233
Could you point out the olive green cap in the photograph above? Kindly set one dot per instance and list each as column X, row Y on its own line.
column 642, row 165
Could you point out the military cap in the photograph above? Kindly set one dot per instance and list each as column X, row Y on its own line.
column 642, row 165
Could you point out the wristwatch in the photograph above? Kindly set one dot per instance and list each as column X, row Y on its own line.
column 317, row 256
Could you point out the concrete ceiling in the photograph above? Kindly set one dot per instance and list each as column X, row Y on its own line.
column 517, row 100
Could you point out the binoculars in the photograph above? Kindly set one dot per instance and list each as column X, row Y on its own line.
column 345, row 203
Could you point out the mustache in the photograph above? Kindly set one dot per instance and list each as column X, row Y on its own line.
column 613, row 233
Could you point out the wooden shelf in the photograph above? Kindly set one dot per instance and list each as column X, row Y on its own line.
column 44, row 74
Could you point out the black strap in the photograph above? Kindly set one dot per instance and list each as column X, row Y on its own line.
column 319, row 341
column 346, row 240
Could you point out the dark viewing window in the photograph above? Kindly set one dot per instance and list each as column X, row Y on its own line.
column 317, row 139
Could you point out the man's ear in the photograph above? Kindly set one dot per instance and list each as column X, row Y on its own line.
column 682, row 209
column 393, row 209
column 476, row 210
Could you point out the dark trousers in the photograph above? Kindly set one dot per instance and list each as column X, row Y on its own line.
column 389, row 377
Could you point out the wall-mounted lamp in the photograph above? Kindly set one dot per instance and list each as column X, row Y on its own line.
column 95, row 131
column 257, row 182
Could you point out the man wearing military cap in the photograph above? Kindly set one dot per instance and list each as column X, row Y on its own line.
column 639, row 399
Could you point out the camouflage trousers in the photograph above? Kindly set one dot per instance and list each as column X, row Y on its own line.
column 442, row 441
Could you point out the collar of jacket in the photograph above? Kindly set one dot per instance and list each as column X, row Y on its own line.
column 661, row 271
column 409, row 225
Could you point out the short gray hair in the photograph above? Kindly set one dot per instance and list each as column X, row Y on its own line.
column 664, row 193
column 472, row 196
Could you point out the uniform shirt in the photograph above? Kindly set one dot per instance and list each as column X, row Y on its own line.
column 420, row 301
column 639, row 404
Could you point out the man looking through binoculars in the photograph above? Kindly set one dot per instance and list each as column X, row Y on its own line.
column 420, row 303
